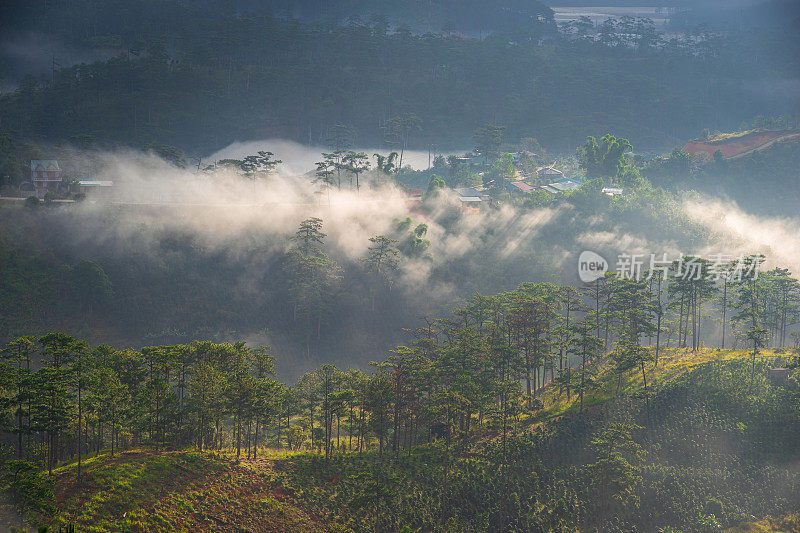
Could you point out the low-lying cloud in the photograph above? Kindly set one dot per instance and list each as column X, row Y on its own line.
column 249, row 222
column 300, row 158
column 738, row 233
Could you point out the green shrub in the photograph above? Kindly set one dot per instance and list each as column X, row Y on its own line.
column 30, row 489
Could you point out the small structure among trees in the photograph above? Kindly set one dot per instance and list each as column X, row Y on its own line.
column 549, row 175
column 95, row 188
column 46, row 176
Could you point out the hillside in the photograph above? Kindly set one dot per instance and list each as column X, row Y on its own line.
column 738, row 145
column 153, row 491
column 714, row 448
column 399, row 266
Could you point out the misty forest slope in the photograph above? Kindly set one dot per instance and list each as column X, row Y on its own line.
column 714, row 446
column 709, row 449
column 201, row 80
column 198, row 334
column 136, row 276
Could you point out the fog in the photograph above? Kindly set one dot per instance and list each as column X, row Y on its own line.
column 221, row 208
column 299, row 158
column 164, row 220
column 739, row 233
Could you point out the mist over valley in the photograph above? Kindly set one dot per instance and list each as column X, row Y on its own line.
column 399, row 266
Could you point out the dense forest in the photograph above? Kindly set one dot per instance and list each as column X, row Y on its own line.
column 200, row 78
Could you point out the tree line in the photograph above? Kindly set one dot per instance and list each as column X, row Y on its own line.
column 459, row 378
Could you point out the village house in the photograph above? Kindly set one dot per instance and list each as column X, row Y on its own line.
column 520, row 187
column 559, row 187
column 468, row 191
column 472, row 192
column 470, row 204
column 549, row 175
column 472, row 199
column 45, row 176
column 414, row 199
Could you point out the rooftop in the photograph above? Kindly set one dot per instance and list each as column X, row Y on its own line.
column 521, row 185
column 468, row 191
column 566, row 185
column 95, row 183
column 613, row 191
column 549, row 170
column 44, row 164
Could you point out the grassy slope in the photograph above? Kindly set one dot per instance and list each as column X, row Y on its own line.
column 188, row 491
column 672, row 363
column 177, row 491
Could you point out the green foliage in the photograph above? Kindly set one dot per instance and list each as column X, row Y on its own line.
column 709, row 446
column 617, row 466
column 386, row 164
column 31, row 490
column 259, row 164
column 488, row 140
column 313, row 277
column 606, row 158
column 770, row 171
column 183, row 490
column 436, row 184
column 414, row 245
column 453, row 431
column 503, row 169
column 715, row 440
column 91, row 282
column 381, row 262
column 663, row 171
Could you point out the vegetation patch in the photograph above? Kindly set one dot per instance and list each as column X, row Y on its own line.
column 141, row 490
